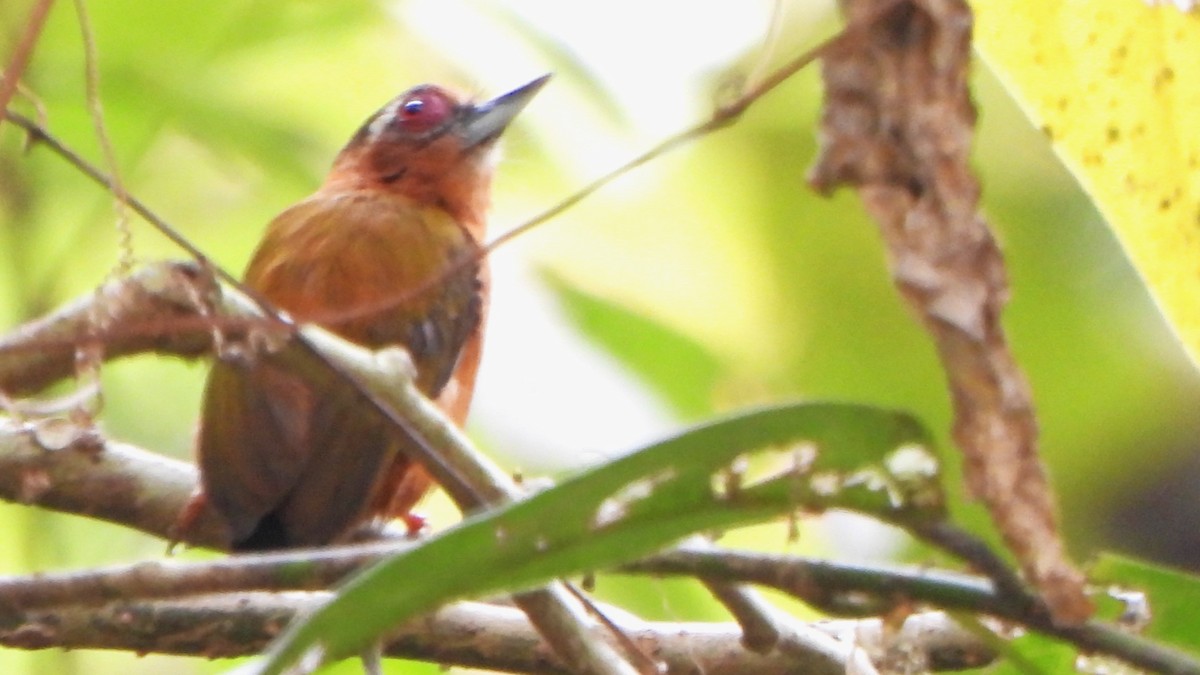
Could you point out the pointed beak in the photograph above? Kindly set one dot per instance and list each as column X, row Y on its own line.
column 484, row 122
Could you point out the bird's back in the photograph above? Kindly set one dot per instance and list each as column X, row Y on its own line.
column 289, row 463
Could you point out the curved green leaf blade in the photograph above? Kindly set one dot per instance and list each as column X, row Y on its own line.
column 674, row 365
column 836, row 456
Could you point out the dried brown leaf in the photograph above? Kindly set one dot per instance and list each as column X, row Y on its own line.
column 898, row 125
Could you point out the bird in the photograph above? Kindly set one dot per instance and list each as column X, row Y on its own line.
column 385, row 252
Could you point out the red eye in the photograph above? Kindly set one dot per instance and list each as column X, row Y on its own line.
column 423, row 108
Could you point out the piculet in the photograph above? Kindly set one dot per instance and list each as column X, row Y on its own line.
column 375, row 256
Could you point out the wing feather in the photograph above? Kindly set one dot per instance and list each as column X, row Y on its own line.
column 275, row 450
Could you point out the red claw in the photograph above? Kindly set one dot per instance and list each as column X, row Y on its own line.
column 414, row 524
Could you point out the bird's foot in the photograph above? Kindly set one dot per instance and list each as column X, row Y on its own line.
column 414, row 524
column 186, row 520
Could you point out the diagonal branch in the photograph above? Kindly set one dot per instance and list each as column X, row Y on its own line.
column 11, row 78
column 385, row 376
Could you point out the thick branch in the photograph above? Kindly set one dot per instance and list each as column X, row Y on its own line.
column 154, row 310
column 49, row 463
column 462, row 634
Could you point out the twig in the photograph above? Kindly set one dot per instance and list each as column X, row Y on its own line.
column 302, row 569
column 765, row 629
column 20, row 59
column 834, row 586
column 40, row 135
column 980, row 556
column 760, row 631
column 96, row 110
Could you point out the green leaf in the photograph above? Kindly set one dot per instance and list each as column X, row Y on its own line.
column 834, row 456
column 676, row 366
column 1033, row 654
column 1030, row 654
column 1173, row 596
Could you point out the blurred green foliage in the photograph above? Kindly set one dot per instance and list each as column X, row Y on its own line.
column 713, row 274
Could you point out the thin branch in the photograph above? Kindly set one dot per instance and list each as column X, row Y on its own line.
column 762, row 628
column 38, row 134
column 299, row 570
column 96, row 110
column 840, row 587
column 11, row 78
column 760, row 631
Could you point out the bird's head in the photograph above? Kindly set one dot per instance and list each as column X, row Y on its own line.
column 432, row 147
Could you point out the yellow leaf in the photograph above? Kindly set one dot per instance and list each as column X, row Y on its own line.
column 1115, row 84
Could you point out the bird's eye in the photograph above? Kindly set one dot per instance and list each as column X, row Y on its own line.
column 423, row 109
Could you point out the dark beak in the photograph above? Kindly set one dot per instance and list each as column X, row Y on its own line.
column 485, row 122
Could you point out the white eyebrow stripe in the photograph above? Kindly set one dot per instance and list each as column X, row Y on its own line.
column 375, row 129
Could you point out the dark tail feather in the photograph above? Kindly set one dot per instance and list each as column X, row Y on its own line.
column 269, row 535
